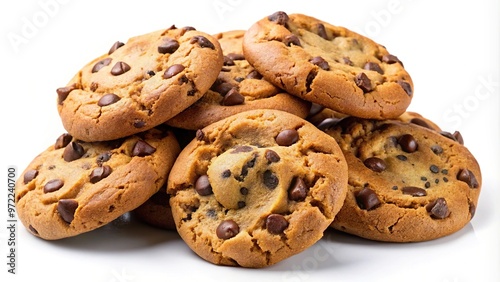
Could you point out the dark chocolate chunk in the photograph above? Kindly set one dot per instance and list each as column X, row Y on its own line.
column 408, row 143
column 310, row 78
column 367, row 199
column 391, row 59
column 375, row 164
column 241, row 204
column 276, row 223
column 414, row 191
column 271, row 156
column 168, row 46
column 227, row 229
column 226, row 173
column 468, row 177
column 279, row 17
column 254, row 75
column 244, row 191
column 108, row 99
column 327, row 123
column 100, row 173
column 236, row 56
column 120, row 68
column 291, row 39
column 363, row 82
column 402, row 157
column 139, row 123
column 142, row 149
column 173, row 70
column 30, row 175
column 202, row 186
column 438, row 208
column 437, row 149
column 297, row 190
column 53, row 185
column 472, row 209
column 287, row 137
column 67, row 208
column 73, row 151
column 373, row 67
column 63, row 92
column 228, row 62
column 421, row 122
column 347, row 61
column 434, row 169
column 115, row 47
column 102, row 63
column 63, row 141
column 242, row 149
column 427, row 184
column 200, row 135
column 322, row 31
column 270, row 179
column 202, row 41
column 406, row 87
column 320, row 62
column 458, row 136
column 233, row 97
column 33, row 230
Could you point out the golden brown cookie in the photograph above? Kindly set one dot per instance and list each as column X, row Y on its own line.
column 239, row 88
column 407, row 183
column 140, row 84
column 256, row 188
column 329, row 65
column 75, row 187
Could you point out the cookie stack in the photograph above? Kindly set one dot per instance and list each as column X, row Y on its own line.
column 250, row 144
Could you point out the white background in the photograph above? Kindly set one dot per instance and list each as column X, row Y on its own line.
column 450, row 48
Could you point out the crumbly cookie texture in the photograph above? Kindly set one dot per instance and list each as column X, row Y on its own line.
column 238, row 88
column 407, row 183
column 256, row 188
column 75, row 187
column 329, row 65
column 140, row 84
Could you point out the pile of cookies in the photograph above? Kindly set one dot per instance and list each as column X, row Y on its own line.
column 250, row 144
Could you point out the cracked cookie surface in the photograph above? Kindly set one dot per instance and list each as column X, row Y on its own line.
column 407, row 183
column 256, row 188
column 329, row 65
column 75, row 187
column 140, row 84
column 239, row 87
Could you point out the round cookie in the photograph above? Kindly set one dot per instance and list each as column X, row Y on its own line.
column 329, row 65
column 75, row 187
column 139, row 85
column 239, row 88
column 407, row 183
column 256, row 188
column 156, row 211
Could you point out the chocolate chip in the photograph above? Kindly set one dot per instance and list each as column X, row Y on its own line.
column 63, row 141
column 30, row 175
column 373, row 67
column 227, row 229
column 102, row 63
column 63, row 92
column 271, row 156
column 33, row 230
column 375, row 164
column 448, row 135
column 347, row 61
column 120, row 68
column 244, row 169
column 436, row 149
column 233, row 97
column 287, row 137
column 427, row 184
column 420, row 122
column 202, row 186
column 270, row 179
column 93, row 86
column 438, row 208
column 67, row 208
column 222, row 87
column 367, row 199
column 458, row 136
column 142, row 149
column 241, row 204
column 226, row 173
column 254, row 75
column 391, row 59
column 444, row 171
column 276, row 223
column 279, row 17
column 363, row 82
column 73, row 151
column 310, row 78
column 322, row 31
column 408, row 143
column 394, row 187
column 202, row 41
column 242, row 149
column 320, row 62
column 53, row 185
column 244, row 191
column 327, row 123
column 200, row 135
column 139, row 123
column 434, row 169
column 291, row 39
column 414, row 191
column 173, row 70
column 472, row 209
column 108, row 99
column 297, row 190
column 236, row 56
column 445, row 179
column 468, row 177
column 406, row 87
column 103, row 157
column 115, row 47
column 228, row 62
column 168, row 46
column 402, row 157
column 100, row 173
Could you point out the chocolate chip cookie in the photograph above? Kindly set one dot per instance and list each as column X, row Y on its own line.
column 140, row 84
column 407, row 183
column 256, row 188
column 329, row 65
column 239, row 87
column 156, row 211
column 75, row 187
